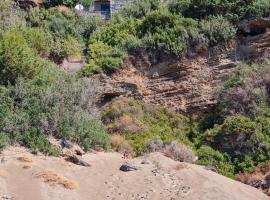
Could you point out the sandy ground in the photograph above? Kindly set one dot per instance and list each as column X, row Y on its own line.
column 160, row 179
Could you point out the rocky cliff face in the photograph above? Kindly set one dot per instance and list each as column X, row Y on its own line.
column 189, row 85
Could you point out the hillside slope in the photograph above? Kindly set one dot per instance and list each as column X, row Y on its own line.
column 161, row 178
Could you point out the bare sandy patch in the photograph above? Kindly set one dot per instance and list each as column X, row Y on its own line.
column 3, row 173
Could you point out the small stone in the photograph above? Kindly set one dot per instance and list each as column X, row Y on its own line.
column 145, row 162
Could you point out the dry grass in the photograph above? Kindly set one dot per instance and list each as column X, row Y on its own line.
column 26, row 166
column 65, row 10
column 179, row 152
column 249, row 178
column 25, row 159
column 126, row 124
column 119, row 144
column 53, row 178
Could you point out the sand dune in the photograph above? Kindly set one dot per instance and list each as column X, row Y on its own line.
column 160, row 179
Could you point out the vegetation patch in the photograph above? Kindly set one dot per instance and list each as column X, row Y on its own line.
column 151, row 122
column 25, row 159
column 53, row 178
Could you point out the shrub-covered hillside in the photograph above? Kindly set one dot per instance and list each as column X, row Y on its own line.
column 164, row 30
column 38, row 99
column 234, row 139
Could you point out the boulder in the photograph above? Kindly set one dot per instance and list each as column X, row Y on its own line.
column 66, row 147
column 74, row 159
column 255, row 26
column 127, row 168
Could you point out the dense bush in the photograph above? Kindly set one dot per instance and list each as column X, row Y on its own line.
column 219, row 161
column 217, row 29
column 164, row 32
column 258, row 8
column 119, row 144
column 173, row 29
column 140, row 8
column 38, row 40
column 244, row 141
column 51, row 104
column 66, row 32
column 116, row 31
column 246, row 92
column 102, row 58
column 60, row 26
column 87, row 25
column 234, row 10
column 147, row 123
column 180, row 152
column 17, row 58
column 71, row 46
column 179, row 7
column 11, row 16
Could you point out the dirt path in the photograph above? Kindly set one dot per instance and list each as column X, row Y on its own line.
column 160, row 179
column 73, row 67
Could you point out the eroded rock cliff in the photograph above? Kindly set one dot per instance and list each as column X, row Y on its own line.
column 189, row 85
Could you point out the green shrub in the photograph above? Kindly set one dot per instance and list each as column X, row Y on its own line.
column 94, row 136
column 140, row 123
column 245, row 92
column 89, row 69
column 17, row 58
column 113, row 34
column 88, row 25
column 243, row 139
column 38, row 142
column 11, row 16
column 110, row 64
column 232, row 8
column 4, row 140
column 60, row 27
column 258, row 8
column 71, row 46
column 116, row 31
column 35, row 17
column 164, row 32
column 179, row 7
column 97, row 50
column 37, row 39
column 132, row 44
column 102, row 58
column 211, row 158
column 139, row 9
column 217, row 29
column 51, row 104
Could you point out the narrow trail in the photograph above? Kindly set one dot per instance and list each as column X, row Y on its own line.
column 73, row 67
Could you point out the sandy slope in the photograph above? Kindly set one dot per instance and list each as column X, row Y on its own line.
column 161, row 179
